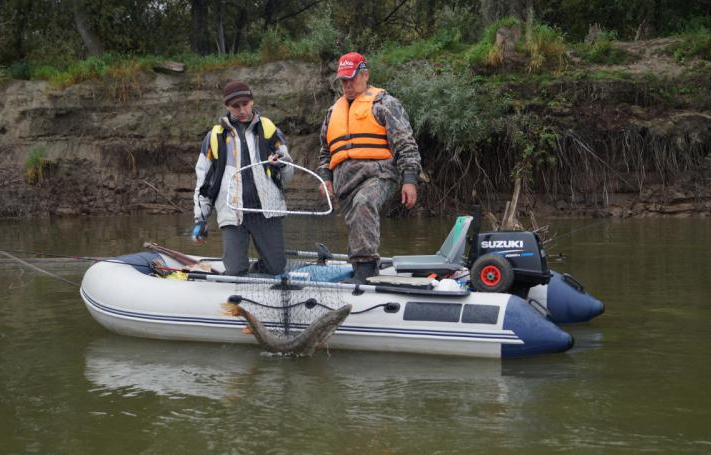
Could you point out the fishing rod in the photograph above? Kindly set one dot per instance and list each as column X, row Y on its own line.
column 355, row 288
column 568, row 234
column 7, row 254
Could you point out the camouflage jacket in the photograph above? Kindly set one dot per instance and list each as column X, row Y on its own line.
column 388, row 111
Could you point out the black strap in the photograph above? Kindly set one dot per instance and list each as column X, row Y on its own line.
column 360, row 146
column 356, row 136
column 266, row 148
column 213, row 179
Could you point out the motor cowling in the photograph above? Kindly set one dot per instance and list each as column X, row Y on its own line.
column 522, row 249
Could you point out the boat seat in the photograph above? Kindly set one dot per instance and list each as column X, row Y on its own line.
column 449, row 258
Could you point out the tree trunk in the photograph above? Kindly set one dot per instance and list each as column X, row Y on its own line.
column 240, row 20
column 18, row 33
column 493, row 10
column 91, row 41
column 430, row 16
column 199, row 41
column 269, row 7
column 221, row 49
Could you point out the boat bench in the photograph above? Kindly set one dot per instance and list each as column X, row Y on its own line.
column 449, row 258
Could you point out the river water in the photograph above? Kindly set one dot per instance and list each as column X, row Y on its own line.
column 637, row 380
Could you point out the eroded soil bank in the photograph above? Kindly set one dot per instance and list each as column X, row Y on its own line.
column 625, row 146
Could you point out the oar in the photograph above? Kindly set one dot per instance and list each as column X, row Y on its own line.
column 181, row 258
column 355, row 288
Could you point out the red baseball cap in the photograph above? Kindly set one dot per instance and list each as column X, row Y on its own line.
column 349, row 65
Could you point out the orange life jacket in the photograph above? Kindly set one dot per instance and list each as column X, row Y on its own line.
column 354, row 133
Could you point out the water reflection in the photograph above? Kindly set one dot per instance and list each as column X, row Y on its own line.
column 130, row 366
column 345, row 402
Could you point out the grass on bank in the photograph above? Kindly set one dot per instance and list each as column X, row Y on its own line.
column 694, row 42
column 602, row 50
column 35, row 163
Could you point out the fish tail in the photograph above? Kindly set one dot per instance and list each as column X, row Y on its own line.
column 232, row 309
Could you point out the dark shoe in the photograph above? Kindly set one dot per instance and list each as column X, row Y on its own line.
column 362, row 271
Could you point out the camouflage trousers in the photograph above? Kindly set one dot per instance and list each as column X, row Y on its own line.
column 361, row 210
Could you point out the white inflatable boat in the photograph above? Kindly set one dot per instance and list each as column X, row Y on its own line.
column 125, row 296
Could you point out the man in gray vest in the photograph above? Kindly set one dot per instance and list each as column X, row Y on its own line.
column 249, row 201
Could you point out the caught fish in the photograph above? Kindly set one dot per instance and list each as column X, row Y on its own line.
column 305, row 343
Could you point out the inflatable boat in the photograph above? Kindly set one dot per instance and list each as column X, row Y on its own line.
column 500, row 300
column 125, row 296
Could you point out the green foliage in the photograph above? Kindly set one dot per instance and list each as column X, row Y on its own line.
column 394, row 54
column 322, row 41
column 448, row 108
column 459, row 19
column 19, row 70
column 106, row 65
column 273, row 46
column 603, row 51
column 537, row 145
column 545, row 46
column 659, row 17
column 694, row 42
column 482, row 52
column 35, row 163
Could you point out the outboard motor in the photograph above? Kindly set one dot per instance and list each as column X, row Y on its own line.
column 506, row 261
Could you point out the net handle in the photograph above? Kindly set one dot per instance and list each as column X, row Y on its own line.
column 282, row 212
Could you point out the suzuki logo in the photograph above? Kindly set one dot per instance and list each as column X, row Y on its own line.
column 489, row 244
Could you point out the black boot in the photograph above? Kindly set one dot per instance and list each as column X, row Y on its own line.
column 362, row 271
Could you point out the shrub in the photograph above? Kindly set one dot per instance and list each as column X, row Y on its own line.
column 602, row 50
column 395, row 54
column 19, row 70
column 694, row 42
column 545, row 46
column 273, row 46
column 485, row 51
column 34, row 165
column 446, row 107
column 322, row 41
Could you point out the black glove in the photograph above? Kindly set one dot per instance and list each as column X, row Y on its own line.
column 200, row 231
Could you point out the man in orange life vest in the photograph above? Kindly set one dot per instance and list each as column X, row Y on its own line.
column 367, row 147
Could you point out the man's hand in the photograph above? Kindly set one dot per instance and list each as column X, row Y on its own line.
column 199, row 235
column 409, row 195
column 274, row 160
column 329, row 188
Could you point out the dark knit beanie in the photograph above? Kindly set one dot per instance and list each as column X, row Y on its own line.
column 233, row 89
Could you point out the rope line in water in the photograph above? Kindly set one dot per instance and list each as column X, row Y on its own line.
column 38, row 269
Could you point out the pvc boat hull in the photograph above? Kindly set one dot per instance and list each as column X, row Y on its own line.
column 129, row 302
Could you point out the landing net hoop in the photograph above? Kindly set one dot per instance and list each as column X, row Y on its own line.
column 231, row 189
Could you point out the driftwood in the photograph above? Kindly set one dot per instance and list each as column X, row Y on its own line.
column 169, row 67
column 163, row 195
column 509, row 221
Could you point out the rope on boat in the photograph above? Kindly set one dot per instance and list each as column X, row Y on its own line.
column 308, row 303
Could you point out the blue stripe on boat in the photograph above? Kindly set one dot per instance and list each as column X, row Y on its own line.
column 487, row 336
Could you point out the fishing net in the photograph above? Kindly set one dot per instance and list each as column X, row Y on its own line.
column 305, row 288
